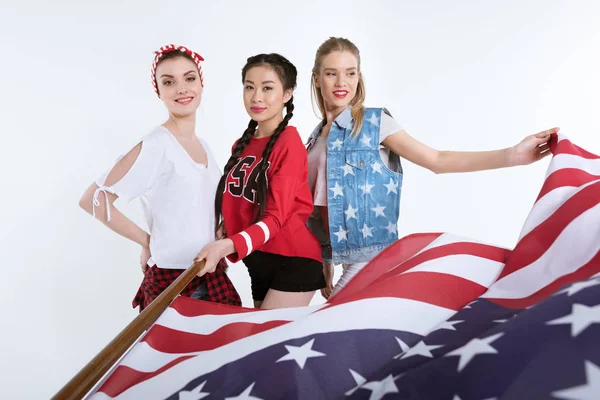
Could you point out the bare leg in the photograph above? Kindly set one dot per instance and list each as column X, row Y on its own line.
column 279, row 299
column 258, row 303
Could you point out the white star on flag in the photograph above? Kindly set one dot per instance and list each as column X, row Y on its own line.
column 366, row 231
column 380, row 388
column 589, row 391
column 403, row 346
column 350, row 212
column 366, row 140
column 341, row 234
column 449, row 325
column 359, row 379
column 379, row 210
column 301, row 354
column 337, row 190
column 470, row 304
column 377, row 167
column 336, row 144
column 348, row 170
column 373, row 119
column 195, row 394
column 245, row 395
column 391, row 227
column 579, row 286
column 473, row 348
column 366, row 188
column 391, row 187
column 580, row 318
column 421, row 349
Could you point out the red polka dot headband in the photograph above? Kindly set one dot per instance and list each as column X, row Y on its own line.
column 169, row 48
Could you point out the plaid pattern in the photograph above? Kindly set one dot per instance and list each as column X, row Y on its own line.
column 220, row 288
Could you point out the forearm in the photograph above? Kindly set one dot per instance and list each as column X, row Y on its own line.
column 125, row 227
column 251, row 238
column 466, row 161
column 118, row 223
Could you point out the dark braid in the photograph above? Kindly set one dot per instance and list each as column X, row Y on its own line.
column 287, row 73
column 235, row 154
column 262, row 173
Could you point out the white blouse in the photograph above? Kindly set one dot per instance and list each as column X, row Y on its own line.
column 177, row 194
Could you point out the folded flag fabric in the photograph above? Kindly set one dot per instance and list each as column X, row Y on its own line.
column 434, row 316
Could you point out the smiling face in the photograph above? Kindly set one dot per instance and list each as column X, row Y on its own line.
column 264, row 95
column 179, row 85
column 337, row 79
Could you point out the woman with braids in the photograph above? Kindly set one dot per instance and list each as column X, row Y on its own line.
column 354, row 164
column 264, row 197
column 176, row 176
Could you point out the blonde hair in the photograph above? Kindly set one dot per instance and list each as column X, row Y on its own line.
column 329, row 46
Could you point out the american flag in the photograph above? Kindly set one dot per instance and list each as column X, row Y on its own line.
column 435, row 316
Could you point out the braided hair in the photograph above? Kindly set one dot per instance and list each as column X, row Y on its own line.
column 287, row 73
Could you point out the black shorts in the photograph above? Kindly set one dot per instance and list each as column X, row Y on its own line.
column 287, row 274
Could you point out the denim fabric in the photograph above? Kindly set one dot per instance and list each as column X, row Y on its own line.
column 363, row 196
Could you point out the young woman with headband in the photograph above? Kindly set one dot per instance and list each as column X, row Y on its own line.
column 175, row 175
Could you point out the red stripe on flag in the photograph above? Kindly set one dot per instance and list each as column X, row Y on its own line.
column 189, row 307
column 460, row 248
column 395, row 265
column 427, row 287
column 566, row 147
column 167, row 340
column 395, row 254
column 538, row 241
column 583, row 273
column 124, row 377
column 572, row 177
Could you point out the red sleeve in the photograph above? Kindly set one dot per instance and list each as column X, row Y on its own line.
column 288, row 174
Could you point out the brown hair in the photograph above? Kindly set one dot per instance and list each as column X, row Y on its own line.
column 170, row 55
column 329, row 46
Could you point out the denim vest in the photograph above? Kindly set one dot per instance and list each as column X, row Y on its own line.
column 363, row 196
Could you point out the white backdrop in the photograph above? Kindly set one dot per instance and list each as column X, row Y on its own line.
column 76, row 93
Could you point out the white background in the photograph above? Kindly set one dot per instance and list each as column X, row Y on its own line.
column 76, row 93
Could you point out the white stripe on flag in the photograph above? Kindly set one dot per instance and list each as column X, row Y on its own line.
column 475, row 269
column 443, row 240
column 580, row 237
column 417, row 317
column 562, row 161
column 207, row 324
column 548, row 204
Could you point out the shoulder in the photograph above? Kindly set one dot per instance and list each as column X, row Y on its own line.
column 289, row 149
column 290, row 137
column 157, row 137
column 376, row 110
column 383, row 114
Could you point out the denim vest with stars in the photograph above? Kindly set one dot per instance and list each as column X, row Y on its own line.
column 363, row 196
